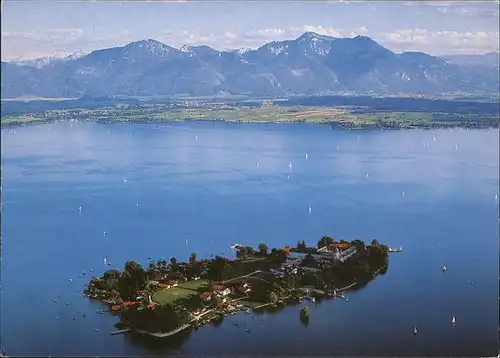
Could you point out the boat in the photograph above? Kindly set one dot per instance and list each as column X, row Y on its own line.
column 444, row 268
column 453, row 320
column 415, row 331
column 313, row 300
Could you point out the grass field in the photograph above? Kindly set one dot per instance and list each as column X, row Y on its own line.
column 184, row 290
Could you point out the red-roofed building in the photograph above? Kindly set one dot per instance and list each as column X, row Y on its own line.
column 338, row 245
column 206, row 296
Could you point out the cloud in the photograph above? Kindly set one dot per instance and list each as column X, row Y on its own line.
column 441, row 42
column 61, row 41
column 48, row 35
column 483, row 9
column 57, row 42
column 251, row 39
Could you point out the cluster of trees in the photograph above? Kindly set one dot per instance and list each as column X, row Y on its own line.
column 161, row 319
column 276, row 255
column 326, row 240
column 116, row 285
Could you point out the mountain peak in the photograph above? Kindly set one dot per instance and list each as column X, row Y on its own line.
column 150, row 46
column 310, row 35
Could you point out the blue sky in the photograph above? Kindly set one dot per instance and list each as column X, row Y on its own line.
column 45, row 28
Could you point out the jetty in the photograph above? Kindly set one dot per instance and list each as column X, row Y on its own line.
column 120, row 331
column 166, row 334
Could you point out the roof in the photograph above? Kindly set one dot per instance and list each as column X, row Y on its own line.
column 343, row 245
column 219, row 288
column 129, row 303
column 206, row 295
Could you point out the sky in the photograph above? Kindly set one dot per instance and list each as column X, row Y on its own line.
column 32, row 29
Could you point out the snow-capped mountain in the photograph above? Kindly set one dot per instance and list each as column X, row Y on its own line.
column 309, row 64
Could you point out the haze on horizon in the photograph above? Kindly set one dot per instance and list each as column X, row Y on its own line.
column 53, row 28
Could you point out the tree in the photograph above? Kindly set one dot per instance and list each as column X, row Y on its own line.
column 111, row 274
column 324, row 241
column 173, row 261
column 192, row 258
column 263, row 249
column 360, row 245
column 375, row 242
column 219, row 268
column 272, row 297
column 278, row 256
column 304, row 312
column 242, row 252
column 216, row 301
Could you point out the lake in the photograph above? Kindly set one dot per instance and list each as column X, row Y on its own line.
column 144, row 189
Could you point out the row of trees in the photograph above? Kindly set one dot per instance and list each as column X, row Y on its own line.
column 162, row 264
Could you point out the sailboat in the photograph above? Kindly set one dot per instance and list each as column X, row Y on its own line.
column 187, row 241
column 310, row 209
column 307, row 156
column 105, row 261
column 444, row 268
column 415, row 331
column 453, row 320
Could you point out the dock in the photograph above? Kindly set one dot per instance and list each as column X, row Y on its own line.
column 167, row 334
column 120, row 331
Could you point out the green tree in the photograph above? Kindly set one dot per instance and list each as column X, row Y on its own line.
column 375, row 243
column 263, row 249
column 304, row 312
column 278, row 256
column 272, row 297
column 219, row 268
column 173, row 261
column 360, row 245
column 216, row 301
column 192, row 258
column 324, row 241
column 241, row 252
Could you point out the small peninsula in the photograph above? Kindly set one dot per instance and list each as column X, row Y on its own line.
column 169, row 297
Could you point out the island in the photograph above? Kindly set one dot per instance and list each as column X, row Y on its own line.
column 169, row 297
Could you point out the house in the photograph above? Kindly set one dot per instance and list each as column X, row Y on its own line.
column 340, row 245
column 152, row 304
column 297, row 255
column 224, row 292
column 206, row 296
column 219, row 288
column 164, row 285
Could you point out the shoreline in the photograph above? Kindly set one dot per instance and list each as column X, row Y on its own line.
column 194, row 322
column 334, row 125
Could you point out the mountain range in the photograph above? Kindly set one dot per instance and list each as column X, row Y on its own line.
column 312, row 64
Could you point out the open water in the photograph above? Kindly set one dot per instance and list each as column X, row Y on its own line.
column 432, row 192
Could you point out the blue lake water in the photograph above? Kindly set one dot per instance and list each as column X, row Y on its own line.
column 201, row 181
